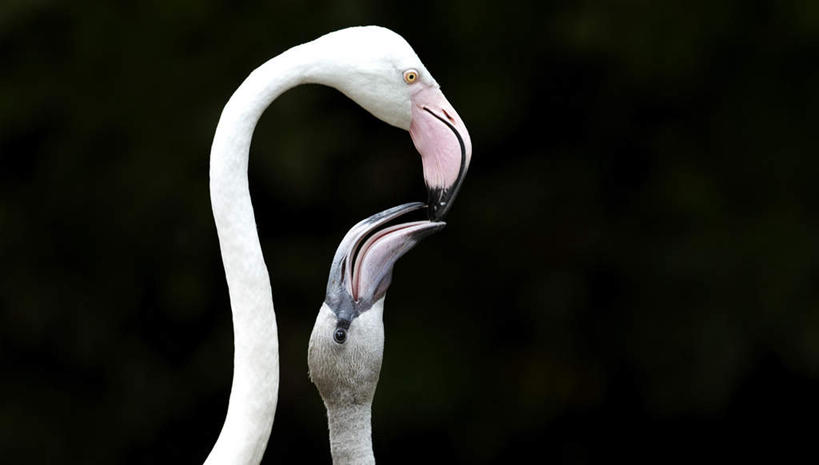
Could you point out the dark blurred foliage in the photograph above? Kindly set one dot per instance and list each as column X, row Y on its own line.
column 630, row 271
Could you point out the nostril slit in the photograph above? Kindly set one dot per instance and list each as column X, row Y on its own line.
column 451, row 119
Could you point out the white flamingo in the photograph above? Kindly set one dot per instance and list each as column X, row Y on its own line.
column 377, row 69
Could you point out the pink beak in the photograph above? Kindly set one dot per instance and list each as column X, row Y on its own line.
column 441, row 138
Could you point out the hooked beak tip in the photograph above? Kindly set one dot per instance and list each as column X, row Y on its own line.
column 439, row 203
column 436, row 212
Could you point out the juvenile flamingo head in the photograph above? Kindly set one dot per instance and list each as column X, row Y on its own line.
column 347, row 341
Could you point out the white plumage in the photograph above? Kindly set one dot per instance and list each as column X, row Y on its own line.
column 367, row 65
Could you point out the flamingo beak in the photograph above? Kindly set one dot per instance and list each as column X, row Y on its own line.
column 441, row 138
column 362, row 269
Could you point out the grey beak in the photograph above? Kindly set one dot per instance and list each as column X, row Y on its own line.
column 361, row 270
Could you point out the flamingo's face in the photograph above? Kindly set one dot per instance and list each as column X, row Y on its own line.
column 378, row 69
column 347, row 341
column 345, row 371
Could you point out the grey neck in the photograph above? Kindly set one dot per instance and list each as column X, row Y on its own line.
column 351, row 434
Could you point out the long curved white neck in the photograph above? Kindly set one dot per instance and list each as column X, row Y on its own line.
column 255, row 386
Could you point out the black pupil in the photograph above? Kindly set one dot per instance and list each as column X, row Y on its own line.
column 340, row 335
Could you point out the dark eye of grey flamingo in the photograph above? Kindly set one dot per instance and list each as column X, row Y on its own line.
column 340, row 335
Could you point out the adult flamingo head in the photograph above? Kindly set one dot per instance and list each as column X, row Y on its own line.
column 378, row 69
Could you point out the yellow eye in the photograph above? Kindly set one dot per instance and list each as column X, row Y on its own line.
column 410, row 76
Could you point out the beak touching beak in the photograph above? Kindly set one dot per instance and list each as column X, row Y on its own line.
column 362, row 267
column 441, row 138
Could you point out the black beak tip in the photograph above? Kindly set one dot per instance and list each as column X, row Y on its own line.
column 438, row 204
column 437, row 210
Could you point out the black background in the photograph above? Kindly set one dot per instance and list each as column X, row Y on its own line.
column 629, row 273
